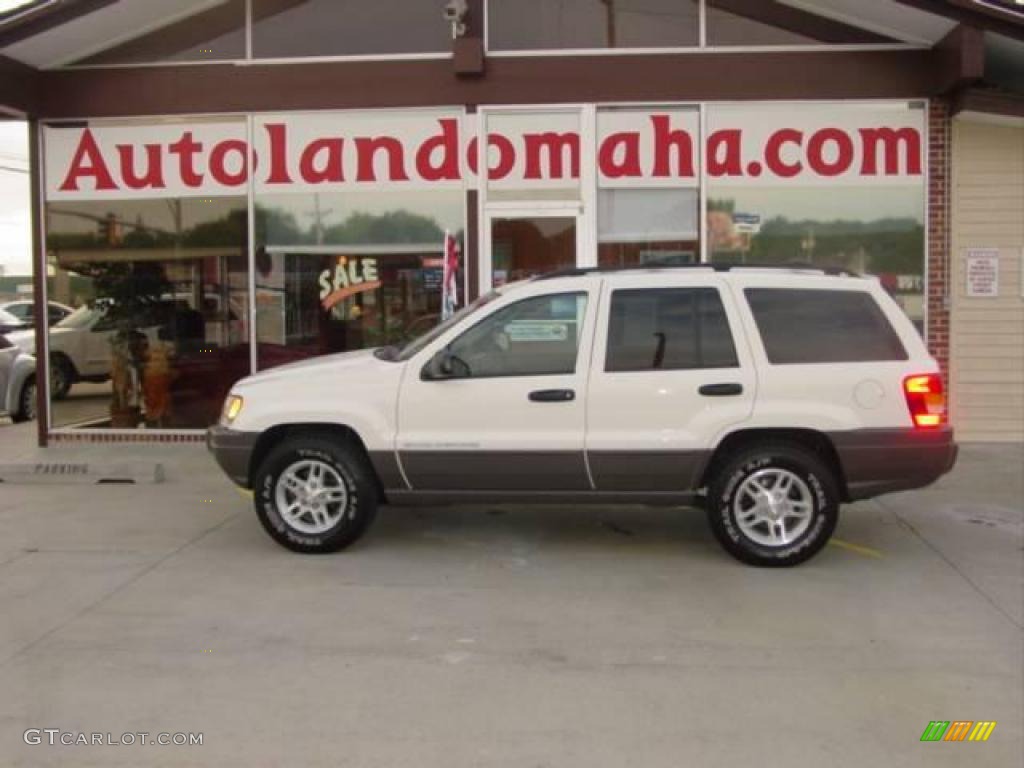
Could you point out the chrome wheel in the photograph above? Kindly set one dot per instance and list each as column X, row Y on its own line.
column 311, row 496
column 773, row 507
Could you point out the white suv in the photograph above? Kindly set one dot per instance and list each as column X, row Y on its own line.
column 768, row 396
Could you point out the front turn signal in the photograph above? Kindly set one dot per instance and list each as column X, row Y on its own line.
column 232, row 407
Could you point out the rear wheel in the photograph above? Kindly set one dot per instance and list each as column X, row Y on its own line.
column 315, row 494
column 773, row 504
column 26, row 401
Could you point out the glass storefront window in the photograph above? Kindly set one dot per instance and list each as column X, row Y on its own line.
column 648, row 178
column 161, row 329
column 299, row 28
column 822, row 184
column 522, row 25
column 741, row 22
column 533, row 155
column 647, row 226
column 342, row 271
column 216, row 32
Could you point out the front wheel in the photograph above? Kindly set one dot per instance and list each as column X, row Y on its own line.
column 315, row 494
column 773, row 504
column 26, row 401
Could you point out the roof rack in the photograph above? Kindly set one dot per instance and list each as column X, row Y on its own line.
column 795, row 266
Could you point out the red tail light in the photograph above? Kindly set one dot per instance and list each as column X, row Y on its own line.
column 926, row 400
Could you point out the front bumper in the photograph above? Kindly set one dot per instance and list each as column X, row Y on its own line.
column 233, row 451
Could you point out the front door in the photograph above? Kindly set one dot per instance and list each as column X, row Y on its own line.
column 507, row 411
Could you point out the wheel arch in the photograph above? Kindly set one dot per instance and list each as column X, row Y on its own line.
column 342, row 433
column 810, row 439
column 60, row 354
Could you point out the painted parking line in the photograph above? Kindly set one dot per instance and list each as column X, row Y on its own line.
column 858, row 548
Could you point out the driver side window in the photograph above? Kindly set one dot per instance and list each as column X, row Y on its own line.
column 539, row 336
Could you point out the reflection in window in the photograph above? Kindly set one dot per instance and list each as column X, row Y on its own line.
column 525, row 247
column 160, row 332
column 872, row 230
column 638, row 227
column 216, row 33
column 766, row 22
column 349, row 271
column 296, row 28
column 534, row 337
column 515, row 25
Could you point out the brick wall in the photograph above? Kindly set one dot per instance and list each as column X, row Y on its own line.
column 938, row 233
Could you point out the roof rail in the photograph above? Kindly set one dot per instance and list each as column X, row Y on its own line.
column 795, row 266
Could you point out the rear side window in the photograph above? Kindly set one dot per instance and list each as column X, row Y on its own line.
column 802, row 326
column 668, row 329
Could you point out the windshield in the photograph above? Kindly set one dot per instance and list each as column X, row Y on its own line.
column 6, row 318
column 420, row 342
column 80, row 318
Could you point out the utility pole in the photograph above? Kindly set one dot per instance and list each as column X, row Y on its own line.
column 318, row 214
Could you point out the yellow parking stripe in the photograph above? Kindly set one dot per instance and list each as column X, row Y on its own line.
column 858, row 548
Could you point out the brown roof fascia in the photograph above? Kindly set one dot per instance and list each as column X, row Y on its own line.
column 960, row 59
column 18, row 88
column 989, row 101
column 216, row 88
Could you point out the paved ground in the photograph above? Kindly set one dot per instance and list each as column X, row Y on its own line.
column 506, row 636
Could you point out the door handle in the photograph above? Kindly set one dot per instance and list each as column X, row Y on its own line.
column 720, row 390
column 552, row 395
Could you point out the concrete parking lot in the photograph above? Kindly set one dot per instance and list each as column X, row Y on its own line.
column 503, row 636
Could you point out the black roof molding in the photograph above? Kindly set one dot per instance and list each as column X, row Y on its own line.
column 990, row 15
column 30, row 20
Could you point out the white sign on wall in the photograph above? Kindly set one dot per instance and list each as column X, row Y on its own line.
column 982, row 272
column 773, row 145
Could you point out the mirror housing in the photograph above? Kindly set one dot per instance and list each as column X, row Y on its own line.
column 444, row 365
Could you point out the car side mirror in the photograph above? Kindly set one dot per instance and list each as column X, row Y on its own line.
column 445, row 365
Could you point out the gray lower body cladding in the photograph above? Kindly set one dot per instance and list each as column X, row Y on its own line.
column 877, row 461
column 873, row 461
column 233, row 451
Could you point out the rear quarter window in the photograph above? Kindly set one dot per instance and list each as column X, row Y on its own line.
column 820, row 326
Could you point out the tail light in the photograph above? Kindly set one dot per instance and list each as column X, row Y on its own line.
column 926, row 400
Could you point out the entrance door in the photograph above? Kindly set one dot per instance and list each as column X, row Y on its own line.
column 523, row 242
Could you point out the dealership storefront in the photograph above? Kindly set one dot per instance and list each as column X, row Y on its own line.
column 291, row 208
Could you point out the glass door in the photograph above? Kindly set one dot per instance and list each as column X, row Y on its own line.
column 520, row 244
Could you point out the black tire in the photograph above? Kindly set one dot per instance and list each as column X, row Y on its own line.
column 780, row 459
column 62, row 376
column 349, row 465
column 26, row 401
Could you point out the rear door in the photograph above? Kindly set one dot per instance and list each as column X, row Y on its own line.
column 670, row 374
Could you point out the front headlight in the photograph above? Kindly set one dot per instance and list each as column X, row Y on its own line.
column 232, row 407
